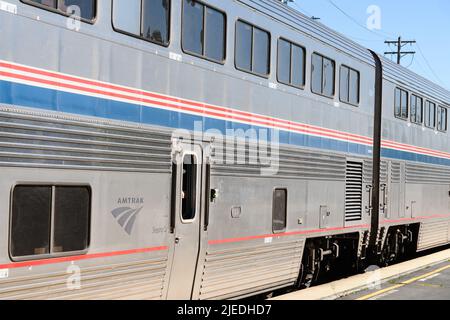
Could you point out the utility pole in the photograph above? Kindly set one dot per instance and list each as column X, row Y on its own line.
column 400, row 44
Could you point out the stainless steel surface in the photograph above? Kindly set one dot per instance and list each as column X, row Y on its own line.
column 128, row 154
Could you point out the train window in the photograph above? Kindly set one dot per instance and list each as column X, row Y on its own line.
column 30, row 220
column 279, row 215
column 189, row 188
column 298, row 66
column 215, row 34
column 71, row 219
column 284, row 62
column 124, row 16
column 193, row 33
column 146, row 19
column 155, row 21
column 349, row 85
column 442, row 119
column 317, row 74
column 48, row 220
column 261, row 49
column 203, row 31
column 291, row 64
column 86, row 9
column 323, row 75
column 344, row 85
column 430, row 114
column 252, row 49
column 416, row 106
column 244, row 39
column 328, row 77
column 401, row 104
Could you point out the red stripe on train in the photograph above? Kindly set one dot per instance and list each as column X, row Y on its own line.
column 235, row 114
column 341, row 136
column 306, row 232
column 178, row 100
column 285, row 234
column 42, row 262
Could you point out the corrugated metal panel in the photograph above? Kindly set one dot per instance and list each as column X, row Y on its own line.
column 353, row 191
column 396, row 172
column 137, row 280
column 52, row 140
column 368, row 170
column 416, row 173
column 290, row 163
column 433, row 234
column 238, row 272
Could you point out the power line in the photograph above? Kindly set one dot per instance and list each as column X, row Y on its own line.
column 429, row 66
column 400, row 44
column 302, row 10
column 306, row 13
column 379, row 34
column 412, row 61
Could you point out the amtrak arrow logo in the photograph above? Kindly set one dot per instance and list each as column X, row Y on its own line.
column 126, row 217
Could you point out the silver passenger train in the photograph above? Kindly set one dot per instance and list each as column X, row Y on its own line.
column 216, row 149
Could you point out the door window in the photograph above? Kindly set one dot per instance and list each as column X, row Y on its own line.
column 189, row 188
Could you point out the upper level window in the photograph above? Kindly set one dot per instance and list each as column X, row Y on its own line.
column 349, row 85
column 416, row 106
column 48, row 220
column 85, row 9
column 146, row 19
column 430, row 114
column 252, row 49
column 291, row 64
column 203, row 31
column 442, row 119
column 401, row 104
column 323, row 75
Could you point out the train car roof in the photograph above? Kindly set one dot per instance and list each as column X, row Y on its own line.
column 392, row 71
column 413, row 81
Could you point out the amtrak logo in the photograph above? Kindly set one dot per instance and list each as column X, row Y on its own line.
column 126, row 216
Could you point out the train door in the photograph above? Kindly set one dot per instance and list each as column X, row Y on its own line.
column 186, row 219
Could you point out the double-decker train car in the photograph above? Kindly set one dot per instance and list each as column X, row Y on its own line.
column 183, row 149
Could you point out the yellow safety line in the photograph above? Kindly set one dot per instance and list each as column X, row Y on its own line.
column 403, row 283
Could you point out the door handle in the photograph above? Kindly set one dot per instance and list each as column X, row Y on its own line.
column 177, row 240
column 369, row 207
column 383, row 205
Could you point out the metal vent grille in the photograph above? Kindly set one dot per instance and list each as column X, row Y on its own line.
column 353, row 191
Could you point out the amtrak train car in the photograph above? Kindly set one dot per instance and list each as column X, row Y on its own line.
column 215, row 149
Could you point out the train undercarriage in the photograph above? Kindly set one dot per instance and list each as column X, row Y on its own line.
column 330, row 258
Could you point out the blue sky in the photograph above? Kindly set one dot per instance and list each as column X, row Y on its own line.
column 427, row 22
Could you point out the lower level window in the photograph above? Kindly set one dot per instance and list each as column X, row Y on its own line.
column 48, row 220
column 279, row 209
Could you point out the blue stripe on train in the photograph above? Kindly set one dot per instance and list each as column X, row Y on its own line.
column 49, row 99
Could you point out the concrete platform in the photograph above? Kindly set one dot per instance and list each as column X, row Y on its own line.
column 373, row 281
column 432, row 283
